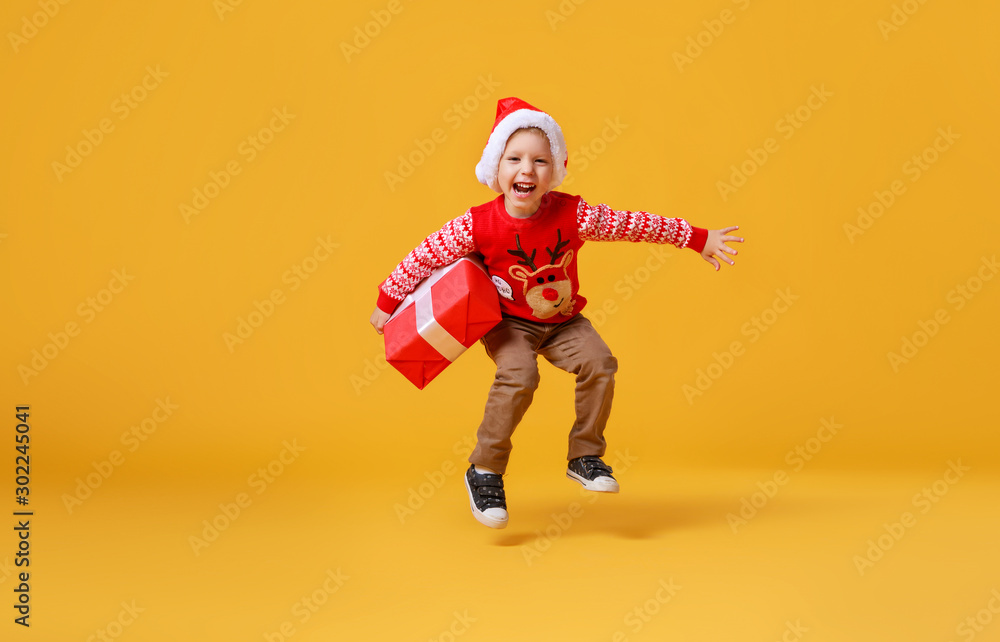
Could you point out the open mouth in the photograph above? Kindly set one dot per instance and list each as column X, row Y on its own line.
column 523, row 189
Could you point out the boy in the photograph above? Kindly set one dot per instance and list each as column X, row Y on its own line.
column 530, row 238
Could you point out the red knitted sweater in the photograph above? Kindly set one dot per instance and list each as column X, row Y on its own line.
column 533, row 260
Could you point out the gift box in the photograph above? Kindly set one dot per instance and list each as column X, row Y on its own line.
column 446, row 314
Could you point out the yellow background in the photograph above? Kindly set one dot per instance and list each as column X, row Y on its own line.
column 309, row 375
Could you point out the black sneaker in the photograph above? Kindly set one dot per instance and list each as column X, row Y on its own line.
column 486, row 497
column 592, row 473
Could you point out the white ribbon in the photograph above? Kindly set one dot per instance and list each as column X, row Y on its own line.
column 432, row 332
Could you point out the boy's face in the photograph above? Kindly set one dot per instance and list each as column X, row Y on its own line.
column 525, row 172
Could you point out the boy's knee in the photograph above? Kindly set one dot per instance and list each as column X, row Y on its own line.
column 601, row 365
column 607, row 364
column 520, row 375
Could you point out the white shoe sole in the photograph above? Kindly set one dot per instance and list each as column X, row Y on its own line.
column 596, row 486
column 481, row 517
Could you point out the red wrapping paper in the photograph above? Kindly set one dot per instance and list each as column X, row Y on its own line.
column 446, row 314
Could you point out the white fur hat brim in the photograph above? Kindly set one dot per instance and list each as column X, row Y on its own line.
column 488, row 167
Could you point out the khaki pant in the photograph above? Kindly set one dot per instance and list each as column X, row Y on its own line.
column 573, row 346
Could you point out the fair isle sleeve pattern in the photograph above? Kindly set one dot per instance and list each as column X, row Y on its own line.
column 601, row 223
column 447, row 245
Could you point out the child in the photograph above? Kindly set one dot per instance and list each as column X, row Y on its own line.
column 530, row 239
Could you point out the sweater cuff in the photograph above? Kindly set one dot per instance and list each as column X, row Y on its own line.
column 699, row 236
column 386, row 303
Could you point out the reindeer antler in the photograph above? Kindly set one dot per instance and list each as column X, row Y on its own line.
column 527, row 261
column 557, row 252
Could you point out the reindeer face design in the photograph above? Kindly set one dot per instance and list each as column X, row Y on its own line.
column 547, row 289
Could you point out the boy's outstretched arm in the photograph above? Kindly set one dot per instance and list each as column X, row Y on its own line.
column 716, row 248
column 601, row 223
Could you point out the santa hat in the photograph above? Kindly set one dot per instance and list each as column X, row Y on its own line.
column 514, row 114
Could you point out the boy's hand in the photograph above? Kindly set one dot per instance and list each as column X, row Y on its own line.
column 716, row 246
column 378, row 319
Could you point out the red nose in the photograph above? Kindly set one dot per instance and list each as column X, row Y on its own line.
column 550, row 294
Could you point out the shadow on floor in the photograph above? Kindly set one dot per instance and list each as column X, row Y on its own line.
column 637, row 518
